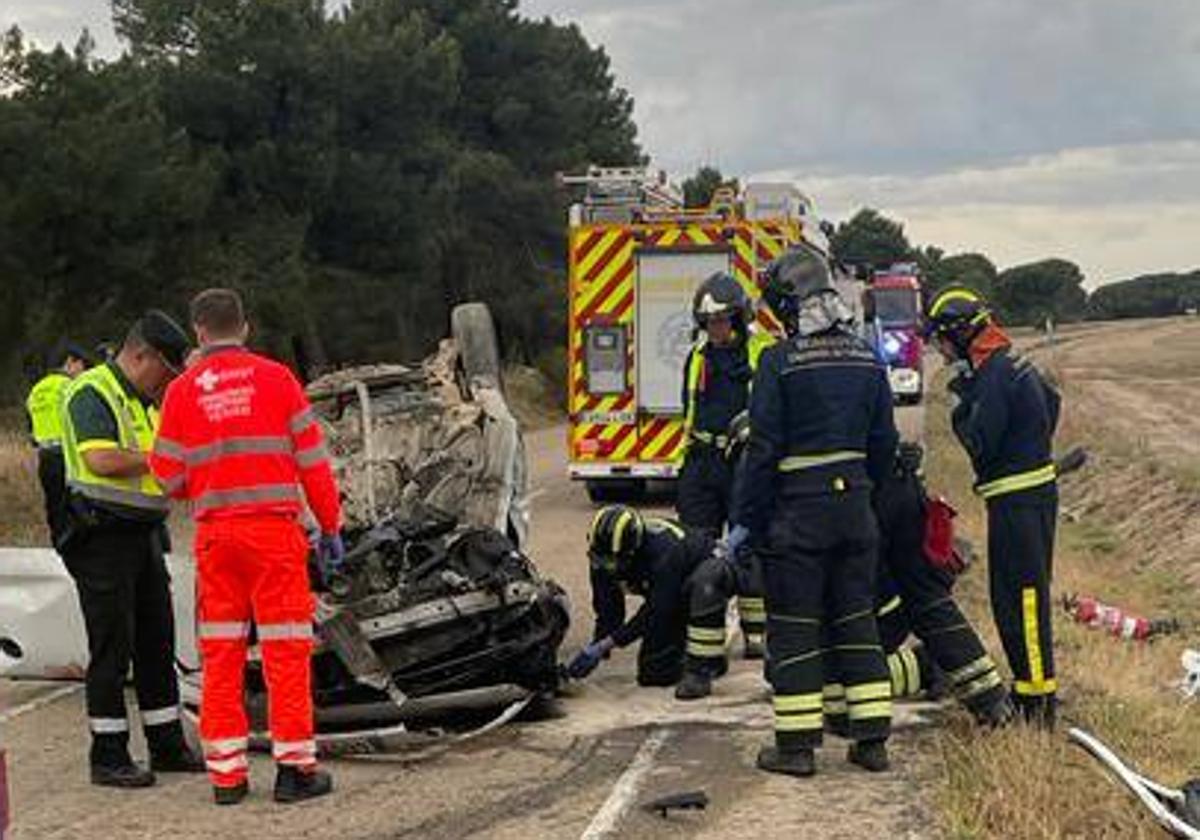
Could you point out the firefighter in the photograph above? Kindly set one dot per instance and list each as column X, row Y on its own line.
column 675, row 572
column 716, row 386
column 113, row 543
column 821, row 430
column 44, row 405
column 241, row 443
column 917, row 597
column 1005, row 419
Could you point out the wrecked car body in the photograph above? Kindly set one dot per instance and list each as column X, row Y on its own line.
column 437, row 609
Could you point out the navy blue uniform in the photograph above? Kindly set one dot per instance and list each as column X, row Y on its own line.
column 659, row 572
column 821, row 428
column 1005, row 420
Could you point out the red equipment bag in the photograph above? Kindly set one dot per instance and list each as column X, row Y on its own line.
column 940, row 551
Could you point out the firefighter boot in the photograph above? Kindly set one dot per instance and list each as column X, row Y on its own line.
column 694, row 685
column 754, row 647
column 121, row 776
column 799, row 762
column 169, row 752
column 295, row 785
column 869, row 755
column 998, row 715
column 231, row 795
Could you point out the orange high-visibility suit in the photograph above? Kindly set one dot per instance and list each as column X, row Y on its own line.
column 240, row 441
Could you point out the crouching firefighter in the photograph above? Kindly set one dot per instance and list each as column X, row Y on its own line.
column 821, row 428
column 667, row 565
column 1005, row 419
column 716, row 387
column 918, row 568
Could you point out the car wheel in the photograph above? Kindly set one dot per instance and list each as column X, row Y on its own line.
column 474, row 332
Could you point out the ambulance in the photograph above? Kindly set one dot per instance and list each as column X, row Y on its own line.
column 636, row 256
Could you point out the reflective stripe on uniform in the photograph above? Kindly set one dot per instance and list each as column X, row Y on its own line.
column 301, row 750
column 223, row 629
column 798, row 712
column 906, row 673
column 709, row 439
column 891, row 606
column 706, row 642
column 256, row 445
column 108, row 726
column 795, row 463
column 752, row 609
column 1030, row 689
column 872, row 710
column 706, row 634
column 168, row 448
column 879, row 690
column 301, row 420
column 174, row 483
column 232, row 764
column 1014, row 483
column 224, row 746
column 1037, row 682
column 247, row 495
column 157, row 717
column 310, row 457
column 972, row 670
column 979, row 685
column 128, row 498
column 287, row 630
column 834, row 698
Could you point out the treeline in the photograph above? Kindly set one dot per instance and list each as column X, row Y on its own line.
column 1024, row 294
column 355, row 174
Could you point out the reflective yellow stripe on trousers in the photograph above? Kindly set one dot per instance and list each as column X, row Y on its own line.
column 1014, row 483
column 795, row 463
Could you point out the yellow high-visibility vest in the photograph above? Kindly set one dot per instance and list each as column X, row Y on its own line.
column 44, row 405
column 136, row 427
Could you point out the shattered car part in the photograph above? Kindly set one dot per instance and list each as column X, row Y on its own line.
column 41, row 626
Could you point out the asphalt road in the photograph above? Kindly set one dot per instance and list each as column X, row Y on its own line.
column 582, row 774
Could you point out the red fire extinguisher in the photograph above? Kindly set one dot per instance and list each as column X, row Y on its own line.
column 1095, row 613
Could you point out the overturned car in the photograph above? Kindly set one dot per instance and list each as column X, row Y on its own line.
column 437, row 609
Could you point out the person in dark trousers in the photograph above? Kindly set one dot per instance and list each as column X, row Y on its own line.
column 114, row 549
column 917, row 598
column 674, row 570
column 821, row 430
column 1005, row 419
column 716, row 387
column 44, row 406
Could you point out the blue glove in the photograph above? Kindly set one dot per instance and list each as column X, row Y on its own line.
column 587, row 659
column 726, row 549
column 331, row 553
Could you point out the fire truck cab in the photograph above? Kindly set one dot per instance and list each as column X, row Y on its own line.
column 893, row 316
column 636, row 256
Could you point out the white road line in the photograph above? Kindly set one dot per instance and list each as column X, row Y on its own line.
column 37, row 703
column 625, row 789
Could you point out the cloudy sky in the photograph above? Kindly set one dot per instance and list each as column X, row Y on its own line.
column 1020, row 128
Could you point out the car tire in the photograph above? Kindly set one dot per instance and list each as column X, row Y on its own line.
column 474, row 332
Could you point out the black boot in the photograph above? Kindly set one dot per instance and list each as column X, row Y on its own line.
column 754, row 647
column 693, row 686
column 295, row 785
column 231, row 795
column 998, row 714
column 869, row 755
column 169, row 752
column 121, row 776
column 800, row 762
column 1039, row 712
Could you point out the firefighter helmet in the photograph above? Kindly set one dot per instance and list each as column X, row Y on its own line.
column 615, row 536
column 958, row 314
column 720, row 294
column 797, row 273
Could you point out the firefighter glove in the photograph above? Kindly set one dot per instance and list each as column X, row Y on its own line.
column 587, row 659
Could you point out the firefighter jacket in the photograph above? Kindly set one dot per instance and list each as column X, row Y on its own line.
column 716, row 383
column 44, row 405
column 238, row 438
column 1006, row 419
column 666, row 550
column 131, row 421
column 819, row 402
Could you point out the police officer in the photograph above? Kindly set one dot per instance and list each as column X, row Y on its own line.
column 44, row 405
column 821, row 428
column 1005, row 419
column 114, row 549
column 675, row 572
column 716, row 387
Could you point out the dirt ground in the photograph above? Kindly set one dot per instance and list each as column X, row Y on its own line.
column 579, row 775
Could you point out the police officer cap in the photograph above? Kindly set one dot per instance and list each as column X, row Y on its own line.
column 799, row 273
column 71, row 350
column 161, row 332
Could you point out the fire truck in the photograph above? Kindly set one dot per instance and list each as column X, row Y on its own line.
column 893, row 313
column 636, row 256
